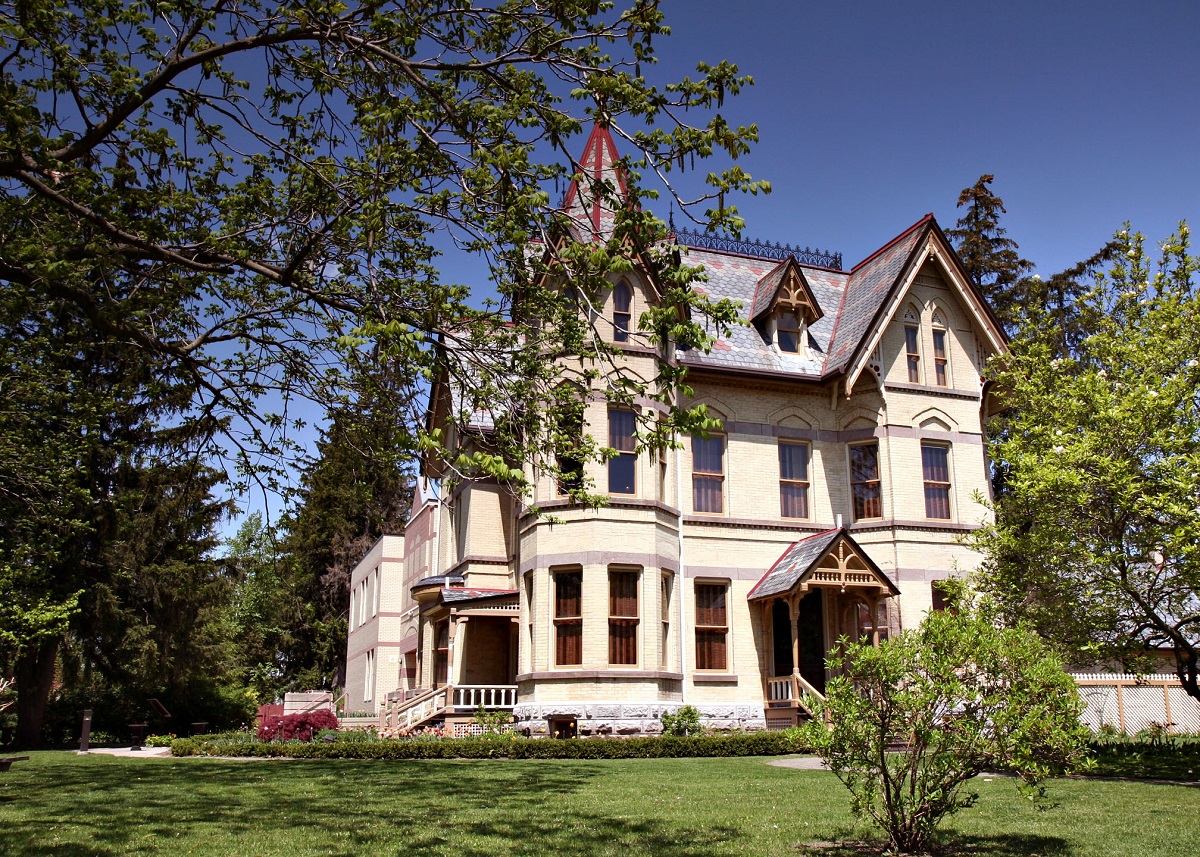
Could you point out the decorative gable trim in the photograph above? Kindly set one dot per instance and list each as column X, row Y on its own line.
column 935, row 249
column 786, row 288
column 831, row 559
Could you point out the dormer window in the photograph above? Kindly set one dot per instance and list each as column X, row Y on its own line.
column 788, row 332
column 784, row 307
column 939, row 351
column 913, row 350
column 622, row 315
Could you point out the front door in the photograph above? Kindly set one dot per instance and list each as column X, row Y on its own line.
column 811, row 628
column 781, row 627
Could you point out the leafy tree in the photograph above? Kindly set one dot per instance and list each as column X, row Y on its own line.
column 988, row 254
column 1097, row 536
column 355, row 490
column 912, row 721
column 239, row 198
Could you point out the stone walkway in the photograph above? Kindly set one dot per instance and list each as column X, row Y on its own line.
column 144, row 753
column 802, row 763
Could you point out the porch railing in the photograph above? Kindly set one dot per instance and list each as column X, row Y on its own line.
column 792, row 690
column 409, row 713
column 487, row 695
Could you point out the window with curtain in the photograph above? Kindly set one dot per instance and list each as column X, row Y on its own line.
column 865, row 489
column 708, row 474
column 793, row 480
column 622, row 617
column 622, row 315
column 935, row 461
column 712, row 626
column 568, row 618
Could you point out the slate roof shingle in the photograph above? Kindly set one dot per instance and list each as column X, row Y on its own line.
column 796, row 560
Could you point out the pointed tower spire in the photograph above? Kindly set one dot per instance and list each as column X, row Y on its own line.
column 583, row 203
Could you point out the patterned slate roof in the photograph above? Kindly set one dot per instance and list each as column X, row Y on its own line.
column 850, row 302
column 796, row 560
column 870, row 283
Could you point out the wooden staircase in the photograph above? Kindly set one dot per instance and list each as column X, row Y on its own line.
column 400, row 715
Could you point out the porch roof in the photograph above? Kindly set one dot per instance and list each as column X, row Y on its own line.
column 800, row 561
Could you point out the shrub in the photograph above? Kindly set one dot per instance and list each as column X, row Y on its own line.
column 684, row 722
column 914, row 719
column 513, row 747
column 297, row 727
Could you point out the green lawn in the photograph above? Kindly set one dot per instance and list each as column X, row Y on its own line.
column 69, row 806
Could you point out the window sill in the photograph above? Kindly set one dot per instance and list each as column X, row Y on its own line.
column 714, row 678
column 576, row 673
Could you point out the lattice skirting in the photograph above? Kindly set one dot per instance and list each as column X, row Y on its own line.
column 1130, row 704
column 629, row 719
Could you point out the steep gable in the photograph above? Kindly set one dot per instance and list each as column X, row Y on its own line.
column 786, row 287
column 585, row 202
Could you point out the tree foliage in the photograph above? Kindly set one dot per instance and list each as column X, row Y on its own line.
column 209, row 210
column 912, row 721
column 991, row 258
column 1097, row 536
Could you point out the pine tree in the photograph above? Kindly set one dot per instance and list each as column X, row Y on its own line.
column 990, row 257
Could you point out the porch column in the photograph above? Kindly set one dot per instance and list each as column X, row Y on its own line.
column 873, row 606
column 793, row 604
column 458, row 634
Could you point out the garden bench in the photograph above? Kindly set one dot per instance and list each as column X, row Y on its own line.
column 6, row 761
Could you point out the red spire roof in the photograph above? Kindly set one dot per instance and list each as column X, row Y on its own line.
column 597, row 164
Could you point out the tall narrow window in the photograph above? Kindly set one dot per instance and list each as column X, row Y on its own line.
column 568, row 618
column 712, row 626
column 793, row 480
column 622, row 302
column 788, row 327
column 864, row 481
column 935, row 461
column 914, row 355
column 568, row 459
column 529, row 615
column 708, row 474
column 623, row 466
column 668, row 585
column 369, row 676
column 622, row 617
column 939, row 357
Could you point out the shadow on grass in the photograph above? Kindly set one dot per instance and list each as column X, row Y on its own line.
column 111, row 807
column 952, row 845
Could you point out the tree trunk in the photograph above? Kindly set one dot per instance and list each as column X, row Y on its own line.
column 35, row 676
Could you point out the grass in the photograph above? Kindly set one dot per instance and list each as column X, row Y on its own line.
column 69, row 806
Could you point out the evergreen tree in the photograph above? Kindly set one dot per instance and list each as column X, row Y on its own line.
column 990, row 257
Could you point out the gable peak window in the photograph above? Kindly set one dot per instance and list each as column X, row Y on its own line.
column 622, row 311
column 912, row 349
column 941, row 375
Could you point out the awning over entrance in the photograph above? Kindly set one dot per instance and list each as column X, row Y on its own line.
column 831, row 559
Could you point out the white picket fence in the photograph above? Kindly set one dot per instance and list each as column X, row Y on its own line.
column 1131, row 703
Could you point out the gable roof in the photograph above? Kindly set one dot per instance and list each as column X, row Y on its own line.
column 799, row 562
column 790, row 273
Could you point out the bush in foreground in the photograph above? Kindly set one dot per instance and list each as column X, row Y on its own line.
column 751, row 744
column 910, row 722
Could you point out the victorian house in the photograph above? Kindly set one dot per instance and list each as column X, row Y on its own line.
column 720, row 575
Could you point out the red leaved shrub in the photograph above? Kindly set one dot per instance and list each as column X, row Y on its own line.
column 297, row 727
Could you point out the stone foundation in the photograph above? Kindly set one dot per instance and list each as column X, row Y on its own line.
column 631, row 720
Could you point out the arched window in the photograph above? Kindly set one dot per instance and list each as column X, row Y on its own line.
column 940, row 357
column 622, row 302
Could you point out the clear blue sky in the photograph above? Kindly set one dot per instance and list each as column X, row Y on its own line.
column 873, row 113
